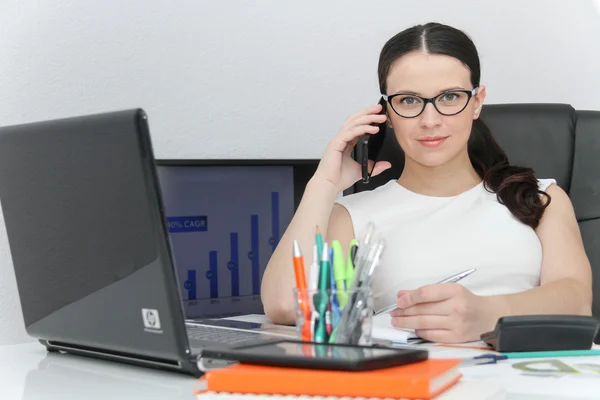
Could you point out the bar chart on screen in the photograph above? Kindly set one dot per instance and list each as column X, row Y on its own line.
column 232, row 275
column 223, row 233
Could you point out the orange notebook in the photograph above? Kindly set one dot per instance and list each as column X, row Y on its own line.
column 422, row 380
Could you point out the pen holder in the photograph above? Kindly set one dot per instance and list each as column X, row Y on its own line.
column 334, row 316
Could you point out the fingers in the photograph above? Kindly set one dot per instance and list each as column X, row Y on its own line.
column 361, row 123
column 421, row 322
column 358, row 131
column 346, row 136
column 368, row 119
column 435, row 308
column 363, row 120
column 369, row 110
column 380, row 166
column 438, row 335
column 350, row 132
column 428, row 294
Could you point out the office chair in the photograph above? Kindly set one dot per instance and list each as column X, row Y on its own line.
column 555, row 140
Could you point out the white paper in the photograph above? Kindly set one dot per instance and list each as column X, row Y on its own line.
column 383, row 330
column 519, row 377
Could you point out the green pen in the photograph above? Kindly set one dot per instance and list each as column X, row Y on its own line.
column 350, row 263
column 319, row 240
column 339, row 273
column 321, row 298
column 552, row 354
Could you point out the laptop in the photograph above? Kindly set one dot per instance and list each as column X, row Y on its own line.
column 94, row 251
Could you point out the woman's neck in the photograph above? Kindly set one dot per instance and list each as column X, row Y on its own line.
column 450, row 179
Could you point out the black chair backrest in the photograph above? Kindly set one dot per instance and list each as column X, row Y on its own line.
column 555, row 140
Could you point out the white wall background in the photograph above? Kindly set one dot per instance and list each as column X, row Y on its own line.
column 263, row 78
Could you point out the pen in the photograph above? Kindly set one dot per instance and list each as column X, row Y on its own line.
column 451, row 279
column 360, row 259
column 483, row 359
column 313, row 279
column 303, row 298
column 320, row 298
column 331, row 319
column 313, row 284
column 344, row 332
column 319, row 241
column 350, row 263
column 351, row 320
column 552, row 354
column 299, row 267
column 339, row 272
column 458, row 277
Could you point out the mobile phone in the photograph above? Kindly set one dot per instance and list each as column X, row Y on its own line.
column 297, row 354
column 369, row 146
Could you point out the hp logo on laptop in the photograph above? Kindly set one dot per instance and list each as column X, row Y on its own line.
column 151, row 319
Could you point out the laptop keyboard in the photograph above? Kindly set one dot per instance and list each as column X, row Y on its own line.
column 228, row 337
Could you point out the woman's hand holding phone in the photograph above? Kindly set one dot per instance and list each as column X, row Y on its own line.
column 337, row 166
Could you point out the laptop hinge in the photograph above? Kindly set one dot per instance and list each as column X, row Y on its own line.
column 117, row 355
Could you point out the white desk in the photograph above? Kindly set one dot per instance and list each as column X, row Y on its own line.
column 28, row 372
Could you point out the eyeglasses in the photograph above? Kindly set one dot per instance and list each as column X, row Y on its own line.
column 450, row 102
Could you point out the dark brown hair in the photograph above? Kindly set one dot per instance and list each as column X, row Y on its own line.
column 515, row 187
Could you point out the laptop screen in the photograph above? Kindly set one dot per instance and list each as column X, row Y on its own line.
column 225, row 220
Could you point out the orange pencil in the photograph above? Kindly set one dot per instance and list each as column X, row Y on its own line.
column 303, row 299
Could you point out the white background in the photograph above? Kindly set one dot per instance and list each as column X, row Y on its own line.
column 263, row 78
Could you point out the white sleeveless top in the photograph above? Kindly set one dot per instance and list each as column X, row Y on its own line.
column 431, row 238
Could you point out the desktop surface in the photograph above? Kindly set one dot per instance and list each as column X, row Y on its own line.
column 30, row 373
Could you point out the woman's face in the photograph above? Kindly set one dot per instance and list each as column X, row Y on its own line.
column 431, row 139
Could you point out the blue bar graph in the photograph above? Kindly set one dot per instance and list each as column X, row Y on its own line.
column 254, row 254
column 213, row 276
column 233, row 265
column 190, row 284
column 274, row 219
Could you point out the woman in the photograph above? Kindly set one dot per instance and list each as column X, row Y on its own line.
column 457, row 205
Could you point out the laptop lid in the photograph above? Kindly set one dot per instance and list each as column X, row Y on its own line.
column 225, row 219
column 88, row 239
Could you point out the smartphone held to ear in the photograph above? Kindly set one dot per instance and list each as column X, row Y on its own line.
column 369, row 146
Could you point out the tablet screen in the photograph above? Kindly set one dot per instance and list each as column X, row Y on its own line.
column 320, row 351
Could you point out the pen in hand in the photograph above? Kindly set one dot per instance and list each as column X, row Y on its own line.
column 457, row 277
column 451, row 279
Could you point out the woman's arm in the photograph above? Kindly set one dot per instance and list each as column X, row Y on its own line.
column 336, row 172
column 566, row 277
column 279, row 280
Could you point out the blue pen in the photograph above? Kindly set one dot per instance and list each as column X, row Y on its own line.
column 335, row 305
column 483, row 359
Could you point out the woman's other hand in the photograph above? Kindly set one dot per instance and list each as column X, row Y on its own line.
column 446, row 312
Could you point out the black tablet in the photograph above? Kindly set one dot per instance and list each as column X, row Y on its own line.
column 289, row 353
